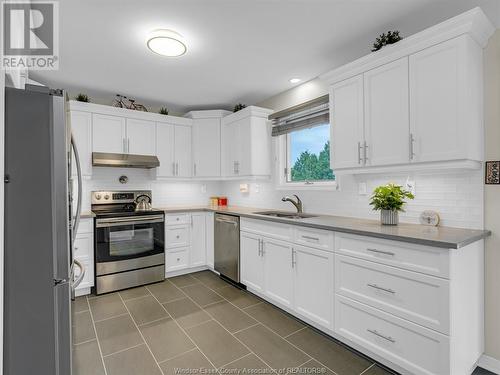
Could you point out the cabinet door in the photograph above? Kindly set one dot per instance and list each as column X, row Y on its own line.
column 182, row 151
column 435, row 101
column 165, row 149
column 229, row 149
column 209, row 222
column 206, row 148
column 245, row 136
column 278, row 275
column 347, row 134
column 313, row 271
column 252, row 265
column 198, row 240
column 81, row 128
column 387, row 127
column 84, row 252
column 141, row 137
column 108, row 134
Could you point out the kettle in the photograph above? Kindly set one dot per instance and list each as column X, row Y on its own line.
column 143, row 203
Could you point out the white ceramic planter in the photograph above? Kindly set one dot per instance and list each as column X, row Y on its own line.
column 388, row 217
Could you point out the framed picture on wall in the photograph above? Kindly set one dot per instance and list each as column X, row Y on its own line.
column 492, row 175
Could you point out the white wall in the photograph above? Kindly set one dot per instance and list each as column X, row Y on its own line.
column 492, row 197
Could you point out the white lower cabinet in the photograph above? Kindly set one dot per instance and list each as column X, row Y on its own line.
column 209, row 224
column 251, row 262
column 295, row 277
column 313, row 275
column 84, row 253
column 278, row 271
column 185, row 242
column 415, row 308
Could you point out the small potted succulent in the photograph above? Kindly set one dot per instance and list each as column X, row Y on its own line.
column 163, row 111
column 82, row 98
column 389, row 200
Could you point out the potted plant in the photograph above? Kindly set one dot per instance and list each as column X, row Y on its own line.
column 163, row 111
column 389, row 200
column 239, row 107
column 82, row 98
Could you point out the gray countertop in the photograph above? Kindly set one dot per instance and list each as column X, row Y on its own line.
column 443, row 237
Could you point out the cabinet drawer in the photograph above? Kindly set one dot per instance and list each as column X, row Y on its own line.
column 423, row 259
column 176, row 260
column 177, row 236
column 415, row 348
column 176, row 219
column 86, row 226
column 267, row 228
column 419, row 298
column 321, row 239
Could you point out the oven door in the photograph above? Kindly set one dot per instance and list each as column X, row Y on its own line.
column 126, row 243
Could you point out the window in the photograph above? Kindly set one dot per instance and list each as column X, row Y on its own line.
column 303, row 145
column 308, row 155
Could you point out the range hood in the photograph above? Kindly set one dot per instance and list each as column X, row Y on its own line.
column 104, row 159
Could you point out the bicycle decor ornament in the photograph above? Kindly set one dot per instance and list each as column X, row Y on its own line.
column 124, row 102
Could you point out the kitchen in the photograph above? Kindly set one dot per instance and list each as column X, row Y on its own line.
column 207, row 239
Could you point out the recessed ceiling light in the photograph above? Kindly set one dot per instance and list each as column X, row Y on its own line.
column 294, row 80
column 166, row 43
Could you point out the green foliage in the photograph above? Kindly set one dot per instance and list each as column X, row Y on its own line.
column 389, row 197
column 239, row 107
column 311, row 167
column 390, row 38
column 163, row 111
column 82, row 98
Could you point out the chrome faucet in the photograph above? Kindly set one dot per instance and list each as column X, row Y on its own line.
column 297, row 204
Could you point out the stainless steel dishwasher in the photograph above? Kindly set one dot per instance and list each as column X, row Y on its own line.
column 227, row 246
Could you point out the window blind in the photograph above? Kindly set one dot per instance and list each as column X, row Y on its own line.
column 303, row 116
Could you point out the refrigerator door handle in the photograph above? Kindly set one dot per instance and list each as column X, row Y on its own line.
column 77, row 282
column 79, row 202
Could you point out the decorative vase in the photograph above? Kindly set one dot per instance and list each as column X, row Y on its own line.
column 389, row 217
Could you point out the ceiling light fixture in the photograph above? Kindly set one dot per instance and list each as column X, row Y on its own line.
column 294, row 80
column 166, row 43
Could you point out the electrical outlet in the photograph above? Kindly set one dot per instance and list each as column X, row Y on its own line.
column 362, row 189
column 410, row 186
column 203, row 189
column 256, row 188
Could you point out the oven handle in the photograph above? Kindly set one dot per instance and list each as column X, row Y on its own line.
column 113, row 222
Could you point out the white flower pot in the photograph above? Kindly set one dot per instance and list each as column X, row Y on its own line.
column 389, row 217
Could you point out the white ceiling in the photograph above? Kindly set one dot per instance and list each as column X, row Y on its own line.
column 238, row 50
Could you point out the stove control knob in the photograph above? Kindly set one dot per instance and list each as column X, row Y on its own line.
column 98, row 196
column 106, row 197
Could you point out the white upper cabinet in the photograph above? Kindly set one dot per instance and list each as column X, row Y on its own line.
column 141, row 137
column 108, row 134
column 386, row 114
column 413, row 105
column 347, row 129
column 173, row 149
column 81, row 128
column 445, row 101
column 206, row 147
column 165, row 149
column 246, row 143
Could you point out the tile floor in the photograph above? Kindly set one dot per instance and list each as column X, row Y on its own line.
column 199, row 324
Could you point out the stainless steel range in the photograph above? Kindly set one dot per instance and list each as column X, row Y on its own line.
column 129, row 240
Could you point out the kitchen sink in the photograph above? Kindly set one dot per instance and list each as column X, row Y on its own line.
column 285, row 215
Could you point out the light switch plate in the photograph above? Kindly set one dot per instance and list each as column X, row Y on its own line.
column 362, row 189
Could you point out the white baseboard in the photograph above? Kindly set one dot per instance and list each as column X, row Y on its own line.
column 184, row 271
column 489, row 363
column 82, row 292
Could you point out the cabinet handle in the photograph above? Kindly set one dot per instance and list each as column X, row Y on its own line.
column 359, row 153
column 294, row 261
column 124, row 142
column 311, row 238
column 128, row 145
column 176, row 169
column 388, row 338
column 173, row 169
column 194, row 169
column 237, row 167
column 412, row 151
column 365, row 153
column 380, row 252
column 375, row 286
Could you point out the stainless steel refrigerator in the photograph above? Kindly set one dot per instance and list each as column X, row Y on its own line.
column 39, row 232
